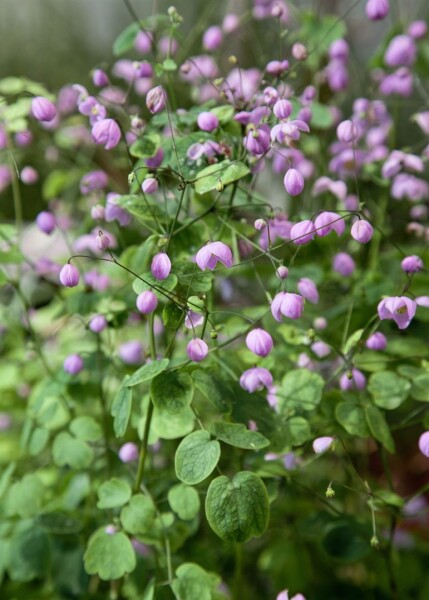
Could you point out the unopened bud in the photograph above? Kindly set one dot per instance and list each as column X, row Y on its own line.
column 330, row 493
column 131, row 177
column 220, row 186
column 374, row 542
column 213, row 334
column 232, row 59
column 260, row 224
column 282, row 272
column 299, row 51
column 103, row 242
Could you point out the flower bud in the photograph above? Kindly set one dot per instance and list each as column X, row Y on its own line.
column 131, row 352
column 29, row 175
column 424, row 443
column 299, row 51
column 302, row 232
column 99, row 78
column 377, row 9
column 69, row 275
column 412, row 264
column 73, row 364
column 376, row 341
column 322, row 444
column 146, row 302
column 43, row 109
column 98, row 323
column 102, row 241
column 98, row 212
column 212, row 38
column 46, row 222
column 346, row 131
column 161, row 266
column 287, row 304
column 282, row 272
column 308, row 289
column 343, row 264
column 256, row 379
column 150, row 185
column 197, row 350
column 362, row 231
column 293, row 182
column 128, row 452
column 156, row 99
column 282, row 109
column 260, row 224
column 207, row 121
column 355, row 380
column 259, row 341
column 107, row 133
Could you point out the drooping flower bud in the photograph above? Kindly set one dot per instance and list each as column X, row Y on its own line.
column 377, row 9
column 107, row 133
column 357, row 380
column 209, row 255
column 282, row 109
column 343, row 264
column 73, row 364
column 308, row 289
column 256, row 379
column 282, row 272
column 197, row 349
column 293, row 182
column 302, row 232
column 146, row 302
column 99, row 78
column 412, row 264
column 46, row 222
column 376, row 341
column 69, row 275
column 362, row 231
column 322, row 444
column 131, row 352
column 207, row 121
column 259, row 341
column 212, row 38
column 150, row 185
column 156, row 100
column 161, row 266
column 287, row 304
column 102, row 241
column 346, row 131
column 424, row 444
column 128, row 452
column 98, row 323
column 43, row 109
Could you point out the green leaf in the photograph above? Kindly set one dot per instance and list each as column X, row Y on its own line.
column 72, row 452
column 378, row 427
column 125, row 40
column 169, row 65
column 86, row 428
column 29, row 554
column 171, row 427
column 238, row 509
column 222, row 173
column 301, row 389
column 38, row 441
column 145, row 210
column 172, row 315
column 420, row 387
column 212, row 388
column 138, row 516
column 121, row 410
column 172, row 391
column 193, row 583
column 161, row 289
column 110, row 556
column 25, row 498
column 352, row 417
column 388, row 389
column 184, row 501
column 196, row 457
column 236, row 434
column 147, row 372
column 6, row 477
column 146, row 146
column 113, row 493
column 299, row 430
column 224, row 113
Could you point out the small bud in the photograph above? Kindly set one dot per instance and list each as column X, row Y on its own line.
column 197, row 350
column 374, row 542
column 131, row 177
column 260, row 224
column 232, row 59
column 150, row 185
column 299, row 51
column 282, row 272
column 146, row 302
column 73, row 364
column 98, row 323
column 330, row 493
column 46, row 222
column 213, row 334
column 43, row 109
column 220, row 186
column 103, row 242
column 69, row 275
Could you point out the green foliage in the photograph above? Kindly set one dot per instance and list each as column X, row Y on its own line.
column 121, row 409
column 215, row 177
column 113, row 493
column 238, row 509
column 138, row 516
column 172, row 391
column 184, row 501
column 196, row 457
column 110, row 556
column 301, row 389
column 237, row 435
column 388, row 389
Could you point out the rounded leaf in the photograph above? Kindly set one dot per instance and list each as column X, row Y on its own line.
column 238, row 509
column 110, row 556
column 172, row 391
column 196, row 457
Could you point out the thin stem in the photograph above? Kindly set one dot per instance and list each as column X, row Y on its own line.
column 143, row 448
column 176, row 216
column 237, row 592
column 103, row 405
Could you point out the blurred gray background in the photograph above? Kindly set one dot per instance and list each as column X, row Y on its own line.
column 60, row 41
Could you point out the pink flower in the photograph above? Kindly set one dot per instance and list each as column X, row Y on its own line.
column 327, row 221
column 69, row 275
column 322, row 444
column 73, row 364
column 308, row 289
column 212, row 38
column 412, row 264
column 362, row 231
column 399, row 308
column 343, row 264
column 209, row 255
column 377, row 9
column 424, row 443
column 287, row 304
column 46, row 222
column 107, row 133
column 197, row 349
column 356, row 382
column 150, row 185
column 161, row 266
column 207, row 121
column 128, row 452
column 156, row 100
column 293, row 182
column 256, row 379
column 302, row 232
column 43, row 109
column 346, row 131
column 98, row 323
column 259, row 341
column 376, row 341
column 146, row 302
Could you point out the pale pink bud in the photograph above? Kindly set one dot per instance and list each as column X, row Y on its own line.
column 146, row 302
column 69, row 275
column 43, row 109
column 362, row 231
column 73, row 364
column 259, row 341
column 161, row 266
column 128, row 452
column 197, row 350
column 322, row 444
